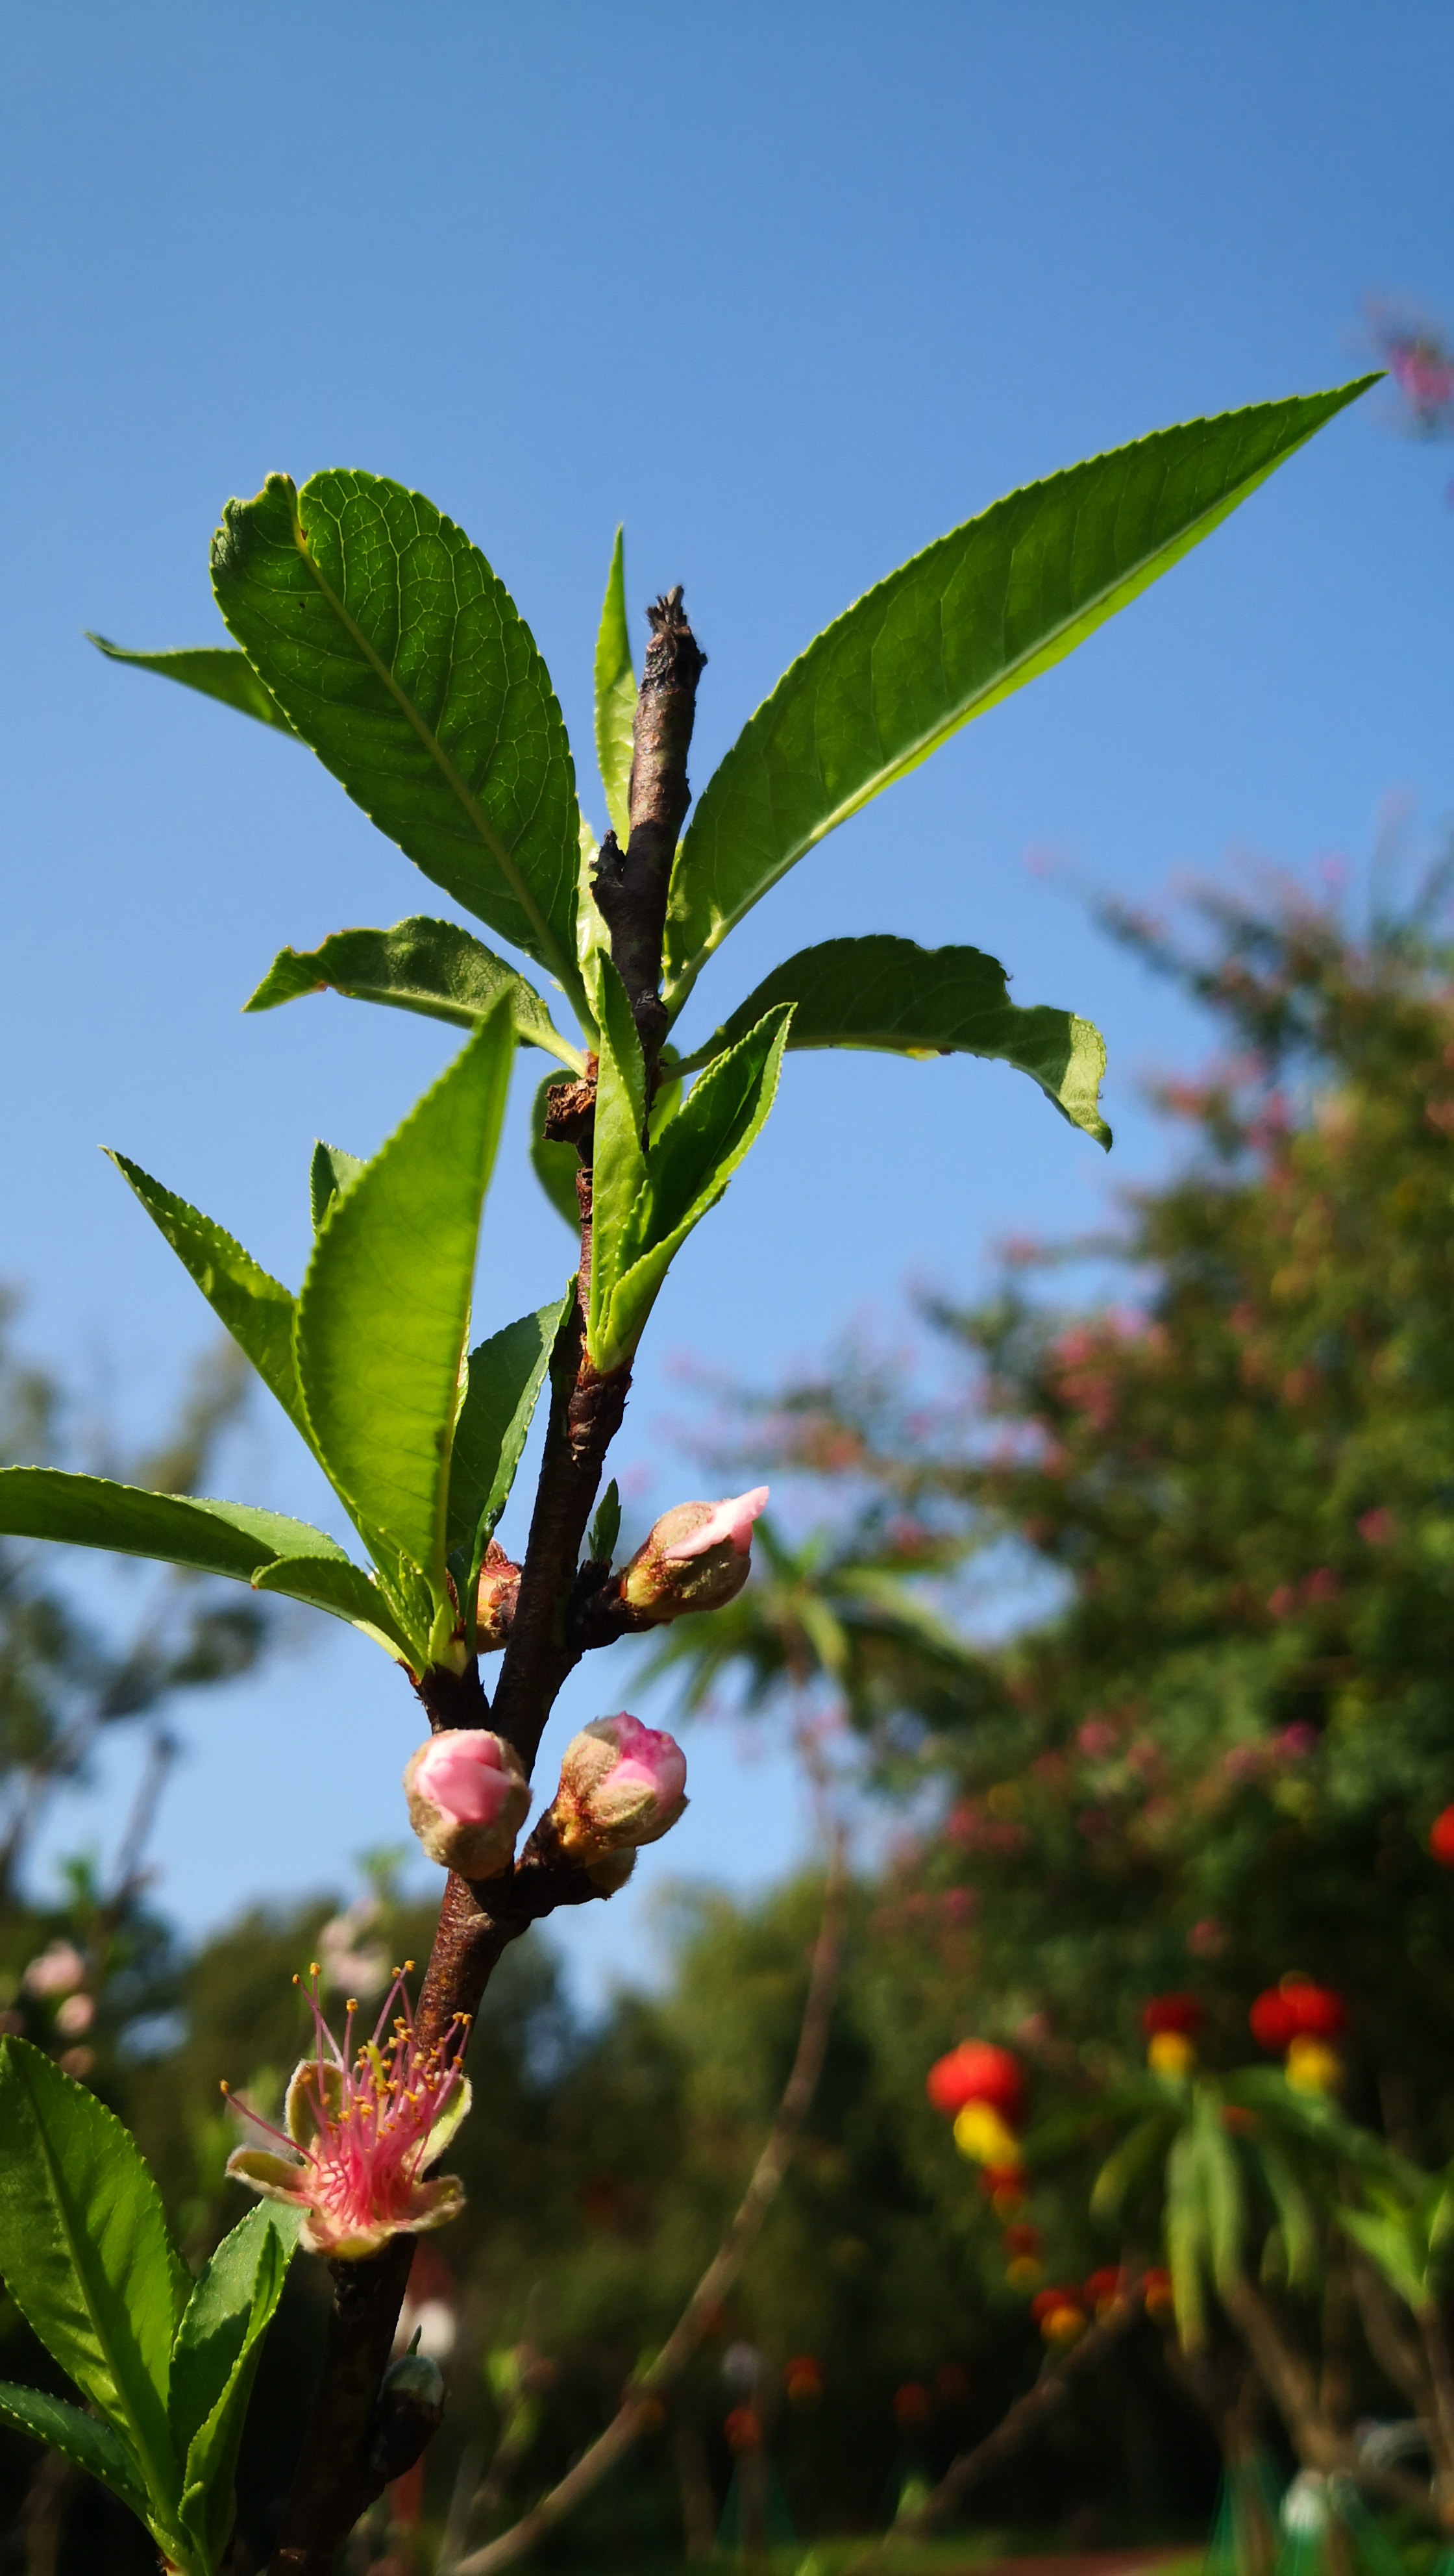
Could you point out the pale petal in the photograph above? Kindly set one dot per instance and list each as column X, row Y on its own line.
column 433, row 2204
column 446, row 2124
column 301, row 2112
column 276, row 2177
column 347, row 2245
column 732, row 1520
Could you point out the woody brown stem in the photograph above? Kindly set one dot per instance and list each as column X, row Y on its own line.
column 631, row 885
column 586, row 1411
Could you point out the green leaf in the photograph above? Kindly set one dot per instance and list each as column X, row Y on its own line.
column 555, row 1165
column 1294, row 2213
column 615, row 696
column 1221, row 2185
column 208, row 1538
column 721, row 1118
column 433, row 967
column 332, row 1169
column 618, row 1170
column 395, row 651
column 888, row 993
column 506, row 1374
column 1391, row 2247
column 948, row 635
column 1130, row 2163
column 606, row 1527
column 593, row 939
column 214, row 2363
column 91, row 2445
column 384, row 1313
column 85, row 2254
column 214, row 669
column 256, row 1309
column 214, row 2325
column 335, row 1584
column 1185, row 2225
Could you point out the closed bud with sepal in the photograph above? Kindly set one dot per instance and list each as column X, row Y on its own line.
column 621, row 1784
column 468, row 1798
column 696, row 1557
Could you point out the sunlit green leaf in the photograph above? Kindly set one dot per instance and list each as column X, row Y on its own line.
column 593, row 939
column 82, row 2438
column 615, row 696
column 949, row 635
column 214, row 2363
column 384, row 1313
column 216, row 670
column 890, row 994
column 394, row 650
column 718, row 1122
column 506, row 1374
column 334, row 1584
column 85, row 2254
column 332, row 1169
column 207, row 1537
column 432, row 967
column 606, row 1526
column 618, row 1177
column 256, row 1309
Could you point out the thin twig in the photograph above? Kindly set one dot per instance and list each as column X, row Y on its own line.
column 726, row 2263
column 1013, row 2428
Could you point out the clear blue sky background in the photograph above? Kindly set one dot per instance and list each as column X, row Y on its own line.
column 791, row 289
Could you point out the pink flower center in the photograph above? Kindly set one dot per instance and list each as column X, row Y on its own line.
column 375, row 2109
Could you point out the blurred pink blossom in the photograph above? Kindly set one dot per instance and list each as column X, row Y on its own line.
column 57, row 1971
column 1294, row 1743
column 1097, row 1739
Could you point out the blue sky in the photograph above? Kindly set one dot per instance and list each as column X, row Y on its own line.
column 790, row 291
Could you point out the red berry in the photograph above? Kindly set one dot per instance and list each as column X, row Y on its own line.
column 977, row 2071
column 1172, row 2012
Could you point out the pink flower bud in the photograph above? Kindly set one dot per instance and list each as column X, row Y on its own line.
column 467, row 1800
column 495, row 1600
column 621, row 1784
column 696, row 1557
